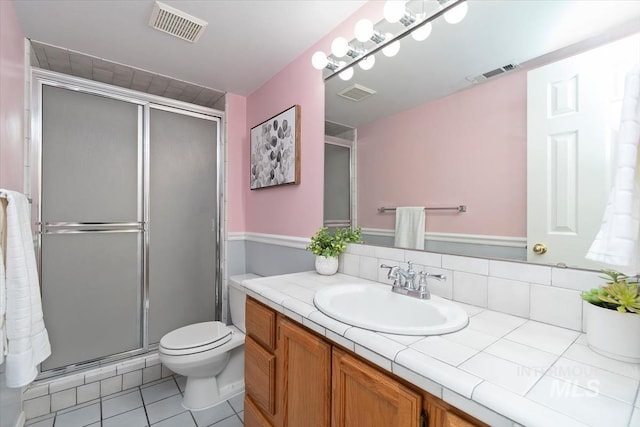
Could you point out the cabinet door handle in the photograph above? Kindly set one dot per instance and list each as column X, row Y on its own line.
column 424, row 419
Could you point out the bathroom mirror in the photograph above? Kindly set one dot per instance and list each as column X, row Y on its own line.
column 448, row 125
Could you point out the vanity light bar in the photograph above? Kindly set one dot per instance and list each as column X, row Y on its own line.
column 388, row 40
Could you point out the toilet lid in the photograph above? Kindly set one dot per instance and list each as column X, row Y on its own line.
column 209, row 334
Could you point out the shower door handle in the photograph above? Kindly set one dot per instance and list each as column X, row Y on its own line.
column 90, row 227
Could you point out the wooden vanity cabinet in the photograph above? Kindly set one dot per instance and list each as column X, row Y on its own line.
column 294, row 378
column 287, row 372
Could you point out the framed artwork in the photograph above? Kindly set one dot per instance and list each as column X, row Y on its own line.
column 275, row 150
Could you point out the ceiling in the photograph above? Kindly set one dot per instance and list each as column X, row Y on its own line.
column 245, row 43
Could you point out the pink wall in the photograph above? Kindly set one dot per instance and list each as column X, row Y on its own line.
column 11, row 99
column 468, row 148
column 237, row 159
column 295, row 210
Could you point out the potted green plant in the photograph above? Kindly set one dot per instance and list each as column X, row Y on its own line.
column 327, row 246
column 613, row 317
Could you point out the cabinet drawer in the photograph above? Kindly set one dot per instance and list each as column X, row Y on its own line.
column 252, row 415
column 261, row 323
column 260, row 375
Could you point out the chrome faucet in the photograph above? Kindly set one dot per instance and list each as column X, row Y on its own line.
column 409, row 282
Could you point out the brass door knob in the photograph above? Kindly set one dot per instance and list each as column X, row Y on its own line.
column 539, row 248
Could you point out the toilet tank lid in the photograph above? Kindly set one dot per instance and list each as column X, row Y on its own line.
column 196, row 335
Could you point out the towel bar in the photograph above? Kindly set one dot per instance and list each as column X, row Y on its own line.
column 460, row 208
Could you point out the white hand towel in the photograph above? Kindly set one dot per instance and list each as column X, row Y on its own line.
column 3, row 282
column 410, row 227
column 617, row 242
column 28, row 340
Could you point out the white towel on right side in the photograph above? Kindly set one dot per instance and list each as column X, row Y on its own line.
column 3, row 284
column 617, row 242
column 410, row 227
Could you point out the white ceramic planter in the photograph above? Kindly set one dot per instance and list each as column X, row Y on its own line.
column 613, row 334
column 326, row 265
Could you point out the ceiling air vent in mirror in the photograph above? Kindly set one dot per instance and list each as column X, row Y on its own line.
column 356, row 92
column 177, row 23
column 489, row 74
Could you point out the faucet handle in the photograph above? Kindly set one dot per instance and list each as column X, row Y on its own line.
column 425, row 274
column 422, row 285
column 393, row 271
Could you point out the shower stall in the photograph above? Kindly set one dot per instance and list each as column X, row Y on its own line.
column 126, row 201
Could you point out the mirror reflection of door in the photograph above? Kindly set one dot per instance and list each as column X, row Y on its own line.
column 573, row 109
column 338, row 177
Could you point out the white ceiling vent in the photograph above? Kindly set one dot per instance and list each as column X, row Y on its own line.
column 489, row 74
column 177, row 23
column 356, row 92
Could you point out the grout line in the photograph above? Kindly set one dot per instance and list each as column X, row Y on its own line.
column 101, row 417
column 232, row 408
column 193, row 418
column 144, row 406
column 224, row 419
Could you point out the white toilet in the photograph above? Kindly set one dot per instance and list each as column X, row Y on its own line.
column 209, row 354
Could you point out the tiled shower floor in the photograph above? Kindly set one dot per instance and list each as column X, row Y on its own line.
column 155, row 404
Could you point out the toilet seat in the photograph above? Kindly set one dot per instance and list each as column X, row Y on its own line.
column 195, row 338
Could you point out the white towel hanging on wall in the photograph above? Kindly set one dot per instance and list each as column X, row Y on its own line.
column 27, row 338
column 618, row 241
column 3, row 287
column 409, row 227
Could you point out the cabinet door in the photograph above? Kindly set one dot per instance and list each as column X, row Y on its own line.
column 252, row 415
column 364, row 397
column 304, row 366
column 452, row 420
column 439, row 414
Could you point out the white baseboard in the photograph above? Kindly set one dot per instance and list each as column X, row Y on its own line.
column 476, row 239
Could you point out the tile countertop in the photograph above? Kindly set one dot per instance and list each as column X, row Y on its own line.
column 500, row 368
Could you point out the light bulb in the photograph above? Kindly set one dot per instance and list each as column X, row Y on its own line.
column 363, row 30
column 394, row 10
column 457, row 14
column 367, row 62
column 319, row 60
column 340, row 47
column 346, row 74
column 420, row 34
column 391, row 49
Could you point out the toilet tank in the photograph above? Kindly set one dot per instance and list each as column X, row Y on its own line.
column 237, row 298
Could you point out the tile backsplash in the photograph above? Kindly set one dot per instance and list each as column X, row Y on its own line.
column 538, row 292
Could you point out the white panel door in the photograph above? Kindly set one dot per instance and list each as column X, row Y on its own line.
column 573, row 113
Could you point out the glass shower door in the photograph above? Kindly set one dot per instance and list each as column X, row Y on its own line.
column 92, row 230
column 182, row 219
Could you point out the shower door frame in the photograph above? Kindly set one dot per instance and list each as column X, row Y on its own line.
column 40, row 78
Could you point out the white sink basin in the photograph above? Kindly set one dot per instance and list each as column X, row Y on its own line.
column 376, row 308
